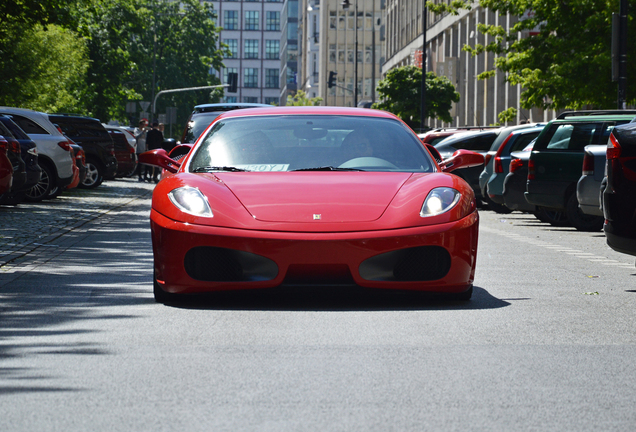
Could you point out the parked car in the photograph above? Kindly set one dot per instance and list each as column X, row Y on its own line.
column 80, row 162
column 619, row 197
column 476, row 141
column 6, row 169
column 29, row 154
column 514, row 189
column 589, row 185
column 511, row 139
column 203, row 115
column 14, row 154
column 312, row 195
column 556, row 159
column 124, row 151
column 436, row 135
column 97, row 144
column 54, row 151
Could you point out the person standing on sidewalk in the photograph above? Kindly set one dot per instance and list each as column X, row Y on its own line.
column 154, row 140
column 140, row 136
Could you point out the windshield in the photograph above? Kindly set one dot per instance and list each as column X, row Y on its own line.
column 310, row 142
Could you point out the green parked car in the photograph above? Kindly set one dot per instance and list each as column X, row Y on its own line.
column 557, row 158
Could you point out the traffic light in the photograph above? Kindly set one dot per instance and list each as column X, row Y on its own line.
column 332, row 79
column 232, row 80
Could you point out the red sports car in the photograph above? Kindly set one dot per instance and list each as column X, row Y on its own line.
column 312, row 195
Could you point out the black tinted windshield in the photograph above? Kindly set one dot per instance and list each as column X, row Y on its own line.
column 301, row 142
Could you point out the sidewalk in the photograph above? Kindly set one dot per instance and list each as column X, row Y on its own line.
column 37, row 229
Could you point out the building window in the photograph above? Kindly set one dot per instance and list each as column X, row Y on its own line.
column 250, row 77
column 230, row 99
column 332, row 53
column 272, row 49
column 272, row 100
column 251, row 49
column 291, row 77
column 271, row 78
column 272, row 21
column 232, row 45
column 251, row 20
column 227, row 71
column 230, row 20
column 332, row 19
column 250, row 99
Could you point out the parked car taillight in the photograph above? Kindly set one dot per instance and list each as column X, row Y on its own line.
column 515, row 164
column 14, row 147
column 110, row 148
column 531, row 170
column 498, row 165
column 81, row 156
column 65, row 145
column 588, row 164
column 4, row 144
column 613, row 148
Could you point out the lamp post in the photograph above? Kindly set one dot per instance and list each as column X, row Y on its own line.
column 345, row 5
column 423, row 101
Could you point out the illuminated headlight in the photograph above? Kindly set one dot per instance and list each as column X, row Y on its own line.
column 190, row 200
column 439, row 200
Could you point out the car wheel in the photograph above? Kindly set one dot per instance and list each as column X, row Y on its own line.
column 497, row 208
column 94, row 175
column 41, row 190
column 553, row 217
column 580, row 220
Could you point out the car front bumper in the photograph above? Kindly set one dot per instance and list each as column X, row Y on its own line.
column 193, row 258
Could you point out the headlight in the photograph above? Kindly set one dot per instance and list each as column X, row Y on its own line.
column 439, row 200
column 190, row 200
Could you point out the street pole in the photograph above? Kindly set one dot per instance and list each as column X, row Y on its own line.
column 345, row 5
column 423, row 101
column 622, row 56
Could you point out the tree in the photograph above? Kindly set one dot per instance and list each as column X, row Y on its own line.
column 566, row 62
column 301, row 99
column 400, row 93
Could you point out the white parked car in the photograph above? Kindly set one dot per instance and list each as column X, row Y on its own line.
column 55, row 155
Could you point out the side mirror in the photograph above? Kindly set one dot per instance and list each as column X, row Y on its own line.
column 159, row 157
column 462, row 159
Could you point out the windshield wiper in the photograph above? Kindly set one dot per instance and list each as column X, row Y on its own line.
column 218, row 168
column 327, row 168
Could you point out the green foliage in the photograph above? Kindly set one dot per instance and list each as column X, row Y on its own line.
column 400, row 93
column 49, row 74
column 567, row 65
column 507, row 115
column 301, row 99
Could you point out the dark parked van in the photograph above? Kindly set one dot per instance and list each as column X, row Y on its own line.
column 89, row 133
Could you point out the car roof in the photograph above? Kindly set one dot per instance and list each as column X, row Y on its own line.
column 74, row 117
column 591, row 118
column 463, row 135
column 225, row 107
column 308, row 110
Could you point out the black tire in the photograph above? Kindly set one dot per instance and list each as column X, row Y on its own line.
column 94, row 175
column 553, row 217
column 580, row 220
column 497, row 208
column 41, row 190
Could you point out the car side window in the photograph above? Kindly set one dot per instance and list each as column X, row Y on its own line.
column 483, row 142
column 29, row 126
column 573, row 137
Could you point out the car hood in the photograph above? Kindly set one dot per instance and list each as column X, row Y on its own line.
column 310, row 196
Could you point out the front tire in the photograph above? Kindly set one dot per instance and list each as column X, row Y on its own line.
column 94, row 175
column 580, row 220
column 43, row 188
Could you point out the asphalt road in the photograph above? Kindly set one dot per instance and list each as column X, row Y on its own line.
column 546, row 344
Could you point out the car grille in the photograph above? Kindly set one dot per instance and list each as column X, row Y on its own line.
column 214, row 264
column 422, row 263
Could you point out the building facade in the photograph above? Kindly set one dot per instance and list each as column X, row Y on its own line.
column 289, row 50
column 309, row 47
column 481, row 101
column 351, row 45
column 252, row 30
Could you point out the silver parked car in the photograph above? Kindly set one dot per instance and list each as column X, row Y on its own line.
column 588, row 188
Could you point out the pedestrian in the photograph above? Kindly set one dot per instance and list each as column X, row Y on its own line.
column 140, row 134
column 154, row 140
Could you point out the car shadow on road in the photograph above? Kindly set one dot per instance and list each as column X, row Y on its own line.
column 334, row 299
